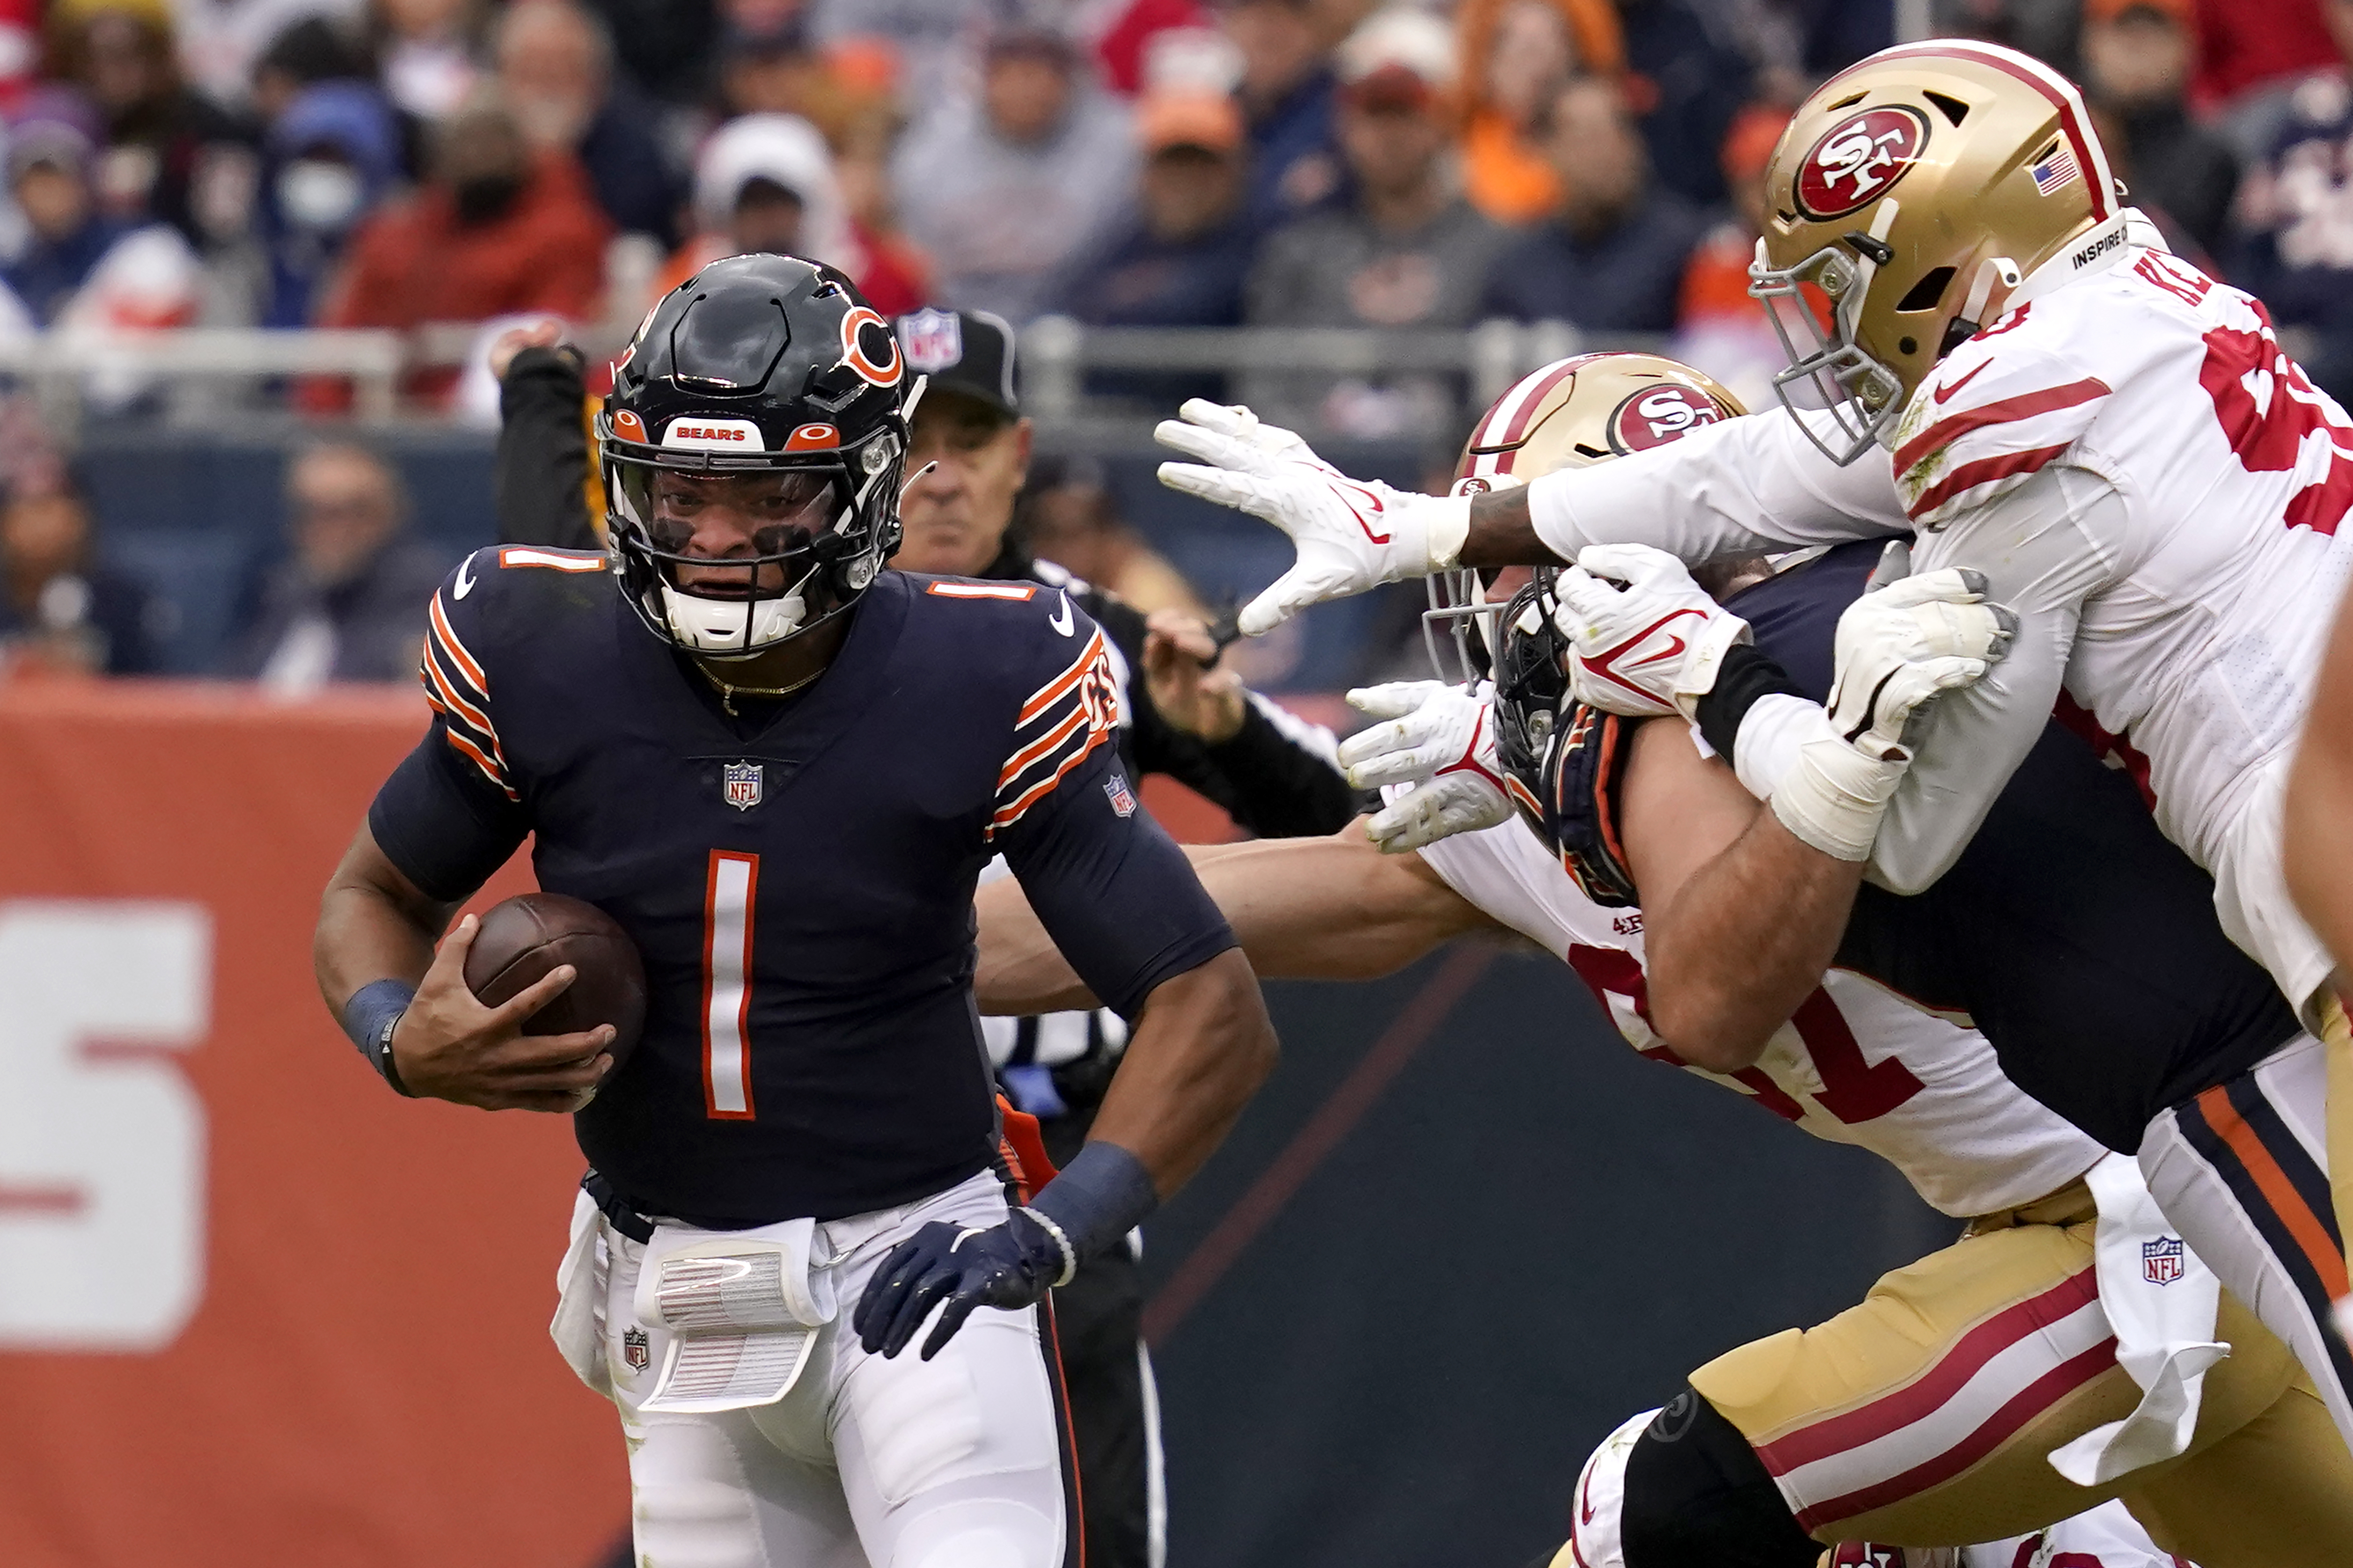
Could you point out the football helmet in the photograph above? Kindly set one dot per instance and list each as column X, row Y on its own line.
column 772, row 370
column 1913, row 198
column 1570, row 414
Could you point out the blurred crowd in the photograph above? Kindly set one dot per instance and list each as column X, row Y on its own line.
column 1413, row 164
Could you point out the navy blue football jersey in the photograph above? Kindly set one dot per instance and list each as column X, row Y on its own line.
column 799, row 878
column 2080, row 940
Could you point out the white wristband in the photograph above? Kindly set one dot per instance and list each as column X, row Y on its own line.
column 1833, row 799
column 1696, row 678
column 1069, row 1253
column 1446, row 525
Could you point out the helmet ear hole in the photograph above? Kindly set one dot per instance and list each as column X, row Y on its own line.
column 1924, row 295
column 1955, row 110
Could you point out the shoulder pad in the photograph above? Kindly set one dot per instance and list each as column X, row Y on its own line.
column 1578, row 801
column 1989, row 418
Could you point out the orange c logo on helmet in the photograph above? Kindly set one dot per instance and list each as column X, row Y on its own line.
column 1857, row 160
column 629, row 426
column 858, row 352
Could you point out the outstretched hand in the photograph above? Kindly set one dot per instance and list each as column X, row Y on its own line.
column 449, row 1045
column 1350, row 534
column 1441, row 739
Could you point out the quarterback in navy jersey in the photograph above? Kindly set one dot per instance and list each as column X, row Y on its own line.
column 781, row 769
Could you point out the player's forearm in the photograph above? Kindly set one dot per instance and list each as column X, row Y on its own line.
column 1200, row 1049
column 1743, row 942
column 1739, row 487
column 372, row 926
column 1332, row 907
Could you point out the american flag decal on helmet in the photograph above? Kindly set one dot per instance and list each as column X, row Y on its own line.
column 2054, row 170
column 1058, row 727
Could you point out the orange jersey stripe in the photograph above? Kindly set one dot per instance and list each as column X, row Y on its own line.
column 1010, row 814
column 1043, row 698
column 447, row 635
column 481, row 762
column 1024, row 759
column 2311, row 1236
column 457, row 701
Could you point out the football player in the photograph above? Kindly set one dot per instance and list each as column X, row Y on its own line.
column 1927, row 1415
column 1178, row 716
column 2010, row 362
column 781, row 769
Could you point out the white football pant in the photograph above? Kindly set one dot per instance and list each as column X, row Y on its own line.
column 956, row 1462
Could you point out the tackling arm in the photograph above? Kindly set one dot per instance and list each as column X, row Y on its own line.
column 2319, row 829
column 1740, row 917
column 1303, row 909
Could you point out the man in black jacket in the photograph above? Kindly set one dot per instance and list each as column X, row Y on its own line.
column 1273, row 773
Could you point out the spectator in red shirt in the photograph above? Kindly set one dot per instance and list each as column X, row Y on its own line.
column 496, row 230
column 2246, row 43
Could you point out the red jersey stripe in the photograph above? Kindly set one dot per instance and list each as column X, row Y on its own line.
column 2025, row 406
column 1984, row 471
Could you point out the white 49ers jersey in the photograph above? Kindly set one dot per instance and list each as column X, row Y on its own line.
column 1856, row 1064
column 2138, row 471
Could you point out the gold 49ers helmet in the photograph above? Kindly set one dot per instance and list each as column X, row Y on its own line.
column 1922, row 190
column 1571, row 413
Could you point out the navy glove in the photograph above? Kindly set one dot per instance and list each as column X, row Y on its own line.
column 1008, row 1265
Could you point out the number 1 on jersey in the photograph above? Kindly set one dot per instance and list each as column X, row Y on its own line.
column 728, row 892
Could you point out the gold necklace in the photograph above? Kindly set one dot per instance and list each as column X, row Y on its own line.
column 729, row 691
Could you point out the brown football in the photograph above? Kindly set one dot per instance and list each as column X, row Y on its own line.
column 529, row 935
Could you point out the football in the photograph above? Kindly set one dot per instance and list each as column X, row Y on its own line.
column 531, row 934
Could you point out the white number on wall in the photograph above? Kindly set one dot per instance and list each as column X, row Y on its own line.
column 101, row 1137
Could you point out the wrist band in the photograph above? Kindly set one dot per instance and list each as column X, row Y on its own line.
column 1744, row 676
column 1101, row 1194
column 370, row 1017
column 1069, row 1253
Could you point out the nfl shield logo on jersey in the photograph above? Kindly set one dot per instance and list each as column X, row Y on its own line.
column 740, row 782
column 636, row 1348
column 1122, row 798
column 2161, row 1260
column 934, row 340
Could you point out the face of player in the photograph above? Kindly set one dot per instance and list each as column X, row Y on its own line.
column 736, row 518
column 954, row 517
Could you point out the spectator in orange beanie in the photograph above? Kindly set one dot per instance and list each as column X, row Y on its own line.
column 1516, row 55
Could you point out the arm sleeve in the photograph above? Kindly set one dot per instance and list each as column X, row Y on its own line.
column 1751, row 484
column 441, row 822
column 1285, row 774
column 540, row 472
column 2047, row 560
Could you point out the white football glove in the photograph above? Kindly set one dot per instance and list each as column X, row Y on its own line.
column 1440, row 741
column 1897, row 647
column 1350, row 534
column 1650, row 649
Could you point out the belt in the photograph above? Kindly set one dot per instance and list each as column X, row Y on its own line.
column 625, row 1219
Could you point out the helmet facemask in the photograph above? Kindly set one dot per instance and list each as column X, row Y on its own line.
column 1531, row 684
column 821, row 525
column 1829, row 367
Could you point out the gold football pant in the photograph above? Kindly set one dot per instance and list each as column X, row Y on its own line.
column 1922, row 1416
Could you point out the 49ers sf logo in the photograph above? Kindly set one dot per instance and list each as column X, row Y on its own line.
column 1658, row 414
column 1858, row 159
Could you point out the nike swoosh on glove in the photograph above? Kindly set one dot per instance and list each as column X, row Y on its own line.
column 1008, row 1265
column 1648, row 640
column 1440, row 740
column 1350, row 534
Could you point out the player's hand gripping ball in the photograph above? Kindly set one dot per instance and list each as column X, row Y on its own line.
column 530, row 935
column 527, row 1009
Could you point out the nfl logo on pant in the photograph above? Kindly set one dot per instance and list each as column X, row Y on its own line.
column 740, row 782
column 636, row 1348
column 2160, row 1260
